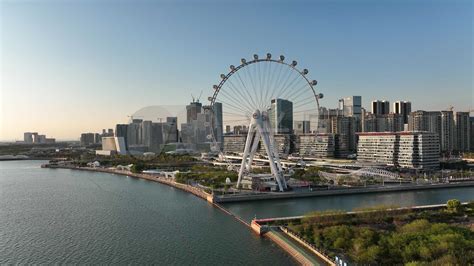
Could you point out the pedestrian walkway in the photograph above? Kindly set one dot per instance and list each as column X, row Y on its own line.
column 303, row 255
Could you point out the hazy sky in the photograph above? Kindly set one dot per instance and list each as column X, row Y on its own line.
column 76, row 66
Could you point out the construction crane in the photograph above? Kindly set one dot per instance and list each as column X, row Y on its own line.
column 196, row 99
column 132, row 116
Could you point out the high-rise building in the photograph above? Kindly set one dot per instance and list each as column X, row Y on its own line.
column 281, row 116
column 217, row 123
column 87, row 139
column 351, row 106
column 134, row 133
column 322, row 124
column 170, row 130
column 192, row 110
column 471, row 135
column 121, row 130
column 402, row 108
column 425, row 121
column 414, row 150
column 463, row 131
column 382, row 123
column 302, row 127
column 380, row 107
column 203, row 124
column 447, row 135
column 345, row 128
column 28, row 137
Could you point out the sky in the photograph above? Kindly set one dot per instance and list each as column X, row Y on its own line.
column 79, row 66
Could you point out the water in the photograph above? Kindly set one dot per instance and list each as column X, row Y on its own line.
column 293, row 207
column 65, row 216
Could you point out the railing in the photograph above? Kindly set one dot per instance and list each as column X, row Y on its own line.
column 310, row 245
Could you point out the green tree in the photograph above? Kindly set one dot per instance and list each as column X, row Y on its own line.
column 137, row 168
column 453, row 205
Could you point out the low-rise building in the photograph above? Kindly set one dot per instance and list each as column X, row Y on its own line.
column 414, row 150
column 112, row 145
column 319, row 146
column 234, row 143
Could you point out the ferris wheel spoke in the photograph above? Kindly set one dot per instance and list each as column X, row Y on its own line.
column 298, row 87
column 271, row 85
column 303, row 103
column 265, row 81
column 243, row 98
column 289, row 85
column 235, row 101
column 279, row 88
column 259, row 70
column 301, row 92
column 251, row 79
column 236, row 115
column 268, row 84
column 245, row 87
column 235, row 108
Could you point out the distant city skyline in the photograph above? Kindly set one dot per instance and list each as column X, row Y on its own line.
column 74, row 67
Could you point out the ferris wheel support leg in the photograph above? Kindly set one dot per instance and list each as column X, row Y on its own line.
column 271, row 156
column 250, row 135
column 275, row 155
column 256, row 139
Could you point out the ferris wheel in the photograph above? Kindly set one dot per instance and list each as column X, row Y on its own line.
column 264, row 99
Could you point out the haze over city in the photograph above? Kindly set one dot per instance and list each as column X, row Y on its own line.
column 68, row 67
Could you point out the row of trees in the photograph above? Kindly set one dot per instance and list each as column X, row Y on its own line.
column 210, row 176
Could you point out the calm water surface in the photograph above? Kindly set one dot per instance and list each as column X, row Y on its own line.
column 300, row 206
column 64, row 216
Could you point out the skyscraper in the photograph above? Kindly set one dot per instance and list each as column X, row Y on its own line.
column 302, row 127
column 218, row 126
column 447, row 137
column 438, row 122
column 462, row 130
column 380, row 107
column 403, row 108
column 471, row 135
column 351, row 106
column 281, row 116
column 192, row 110
column 121, row 131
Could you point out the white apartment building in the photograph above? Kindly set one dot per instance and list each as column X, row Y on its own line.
column 413, row 150
column 319, row 146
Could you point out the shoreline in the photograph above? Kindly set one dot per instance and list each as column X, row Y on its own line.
column 187, row 188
